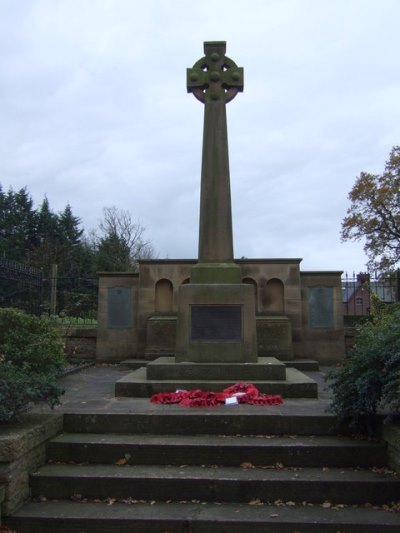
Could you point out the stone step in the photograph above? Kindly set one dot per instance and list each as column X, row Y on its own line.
column 238, row 420
column 216, row 449
column 304, row 365
column 155, row 517
column 134, row 364
column 215, row 484
column 266, row 368
column 136, row 384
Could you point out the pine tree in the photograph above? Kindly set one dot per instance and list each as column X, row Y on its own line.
column 18, row 224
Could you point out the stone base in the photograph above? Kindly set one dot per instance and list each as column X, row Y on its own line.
column 274, row 336
column 136, row 384
column 160, row 336
column 266, row 368
column 236, row 346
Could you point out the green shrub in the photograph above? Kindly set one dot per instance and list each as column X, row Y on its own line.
column 31, row 359
column 19, row 389
column 370, row 379
column 30, row 342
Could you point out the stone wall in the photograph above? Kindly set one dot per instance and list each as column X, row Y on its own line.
column 322, row 333
column 2, row 498
column 391, row 434
column 80, row 343
column 117, row 316
column 23, row 450
column 311, row 301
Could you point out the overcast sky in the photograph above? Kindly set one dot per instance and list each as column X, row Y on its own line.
column 94, row 112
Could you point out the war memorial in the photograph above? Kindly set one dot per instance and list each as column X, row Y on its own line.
column 109, row 459
column 214, row 316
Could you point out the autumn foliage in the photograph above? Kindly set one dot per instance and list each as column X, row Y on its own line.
column 374, row 214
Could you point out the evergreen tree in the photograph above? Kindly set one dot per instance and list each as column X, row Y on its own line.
column 70, row 247
column 113, row 254
column 46, row 252
column 18, row 224
column 68, row 227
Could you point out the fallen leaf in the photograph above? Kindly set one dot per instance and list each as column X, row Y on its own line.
column 273, row 515
column 122, row 461
column 246, row 465
column 256, row 501
column 327, row 505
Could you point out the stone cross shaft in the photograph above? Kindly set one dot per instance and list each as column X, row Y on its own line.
column 215, row 80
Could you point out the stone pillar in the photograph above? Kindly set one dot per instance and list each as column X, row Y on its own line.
column 216, row 312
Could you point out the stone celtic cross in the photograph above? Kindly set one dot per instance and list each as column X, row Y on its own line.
column 215, row 80
column 215, row 76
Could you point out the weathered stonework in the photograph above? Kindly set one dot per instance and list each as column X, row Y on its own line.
column 274, row 337
column 280, row 288
column 116, row 343
column 23, row 450
column 328, row 338
column 80, row 343
column 391, row 434
column 161, row 336
column 2, row 498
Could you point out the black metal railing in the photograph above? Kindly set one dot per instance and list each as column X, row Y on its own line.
column 21, row 286
column 72, row 300
column 359, row 291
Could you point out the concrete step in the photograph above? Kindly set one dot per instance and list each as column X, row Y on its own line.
column 136, row 384
column 238, row 420
column 155, row 517
column 216, row 449
column 215, row 484
column 266, row 368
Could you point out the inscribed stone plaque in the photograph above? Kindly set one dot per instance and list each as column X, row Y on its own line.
column 216, row 322
column 119, row 308
column 320, row 307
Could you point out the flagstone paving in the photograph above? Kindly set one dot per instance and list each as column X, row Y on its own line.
column 93, row 389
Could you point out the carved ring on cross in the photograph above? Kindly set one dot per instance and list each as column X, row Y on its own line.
column 215, row 76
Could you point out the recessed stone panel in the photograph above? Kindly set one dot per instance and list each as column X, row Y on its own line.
column 216, row 322
column 119, row 307
column 320, row 307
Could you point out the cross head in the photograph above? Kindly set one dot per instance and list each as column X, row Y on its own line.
column 215, row 77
